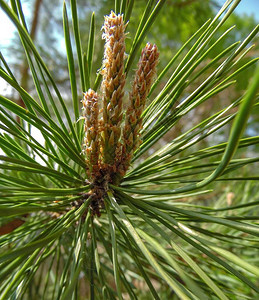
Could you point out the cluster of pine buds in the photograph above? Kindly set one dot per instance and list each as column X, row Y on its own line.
column 109, row 143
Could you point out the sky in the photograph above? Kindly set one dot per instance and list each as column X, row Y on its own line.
column 7, row 29
column 247, row 6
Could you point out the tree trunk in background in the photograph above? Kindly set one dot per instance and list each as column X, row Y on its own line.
column 25, row 67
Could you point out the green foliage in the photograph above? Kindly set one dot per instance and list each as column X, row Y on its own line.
column 166, row 232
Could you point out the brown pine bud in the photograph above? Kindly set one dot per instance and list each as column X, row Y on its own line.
column 91, row 141
column 140, row 89
column 112, row 84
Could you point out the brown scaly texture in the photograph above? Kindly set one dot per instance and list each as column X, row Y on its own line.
column 140, row 89
column 91, row 126
column 112, row 88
